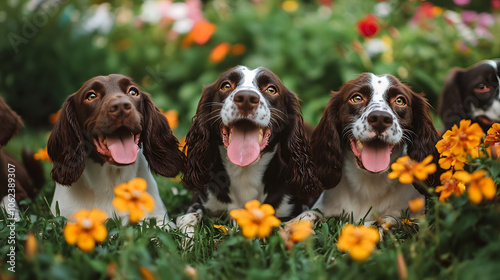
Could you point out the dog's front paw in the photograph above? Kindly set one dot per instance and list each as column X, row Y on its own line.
column 309, row 215
column 187, row 225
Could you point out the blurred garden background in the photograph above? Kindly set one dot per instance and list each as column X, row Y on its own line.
column 172, row 49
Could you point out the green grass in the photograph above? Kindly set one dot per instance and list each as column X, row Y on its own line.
column 455, row 240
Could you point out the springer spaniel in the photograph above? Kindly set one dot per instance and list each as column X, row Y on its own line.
column 108, row 133
column 367, row 125
column 247, row 141
column 18, row 180
column 472, row 93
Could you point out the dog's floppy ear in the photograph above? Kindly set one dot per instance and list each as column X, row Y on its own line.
column 11, row 123
column 326, row 143
column 199, row 145
column 300, row 171
column 424, row 136
column 160, row 146
column 451, row 106
column 66, row 147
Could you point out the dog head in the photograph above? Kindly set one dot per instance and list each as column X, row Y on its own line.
column 249, row 112
column 370, row 117
column 472, row 93
column 107, row 119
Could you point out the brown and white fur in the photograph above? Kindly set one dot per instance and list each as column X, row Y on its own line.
column 367, row 125
column 247, row 142
column 108, row 133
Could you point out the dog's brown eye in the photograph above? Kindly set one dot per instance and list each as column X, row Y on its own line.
column 133, row 92
column 272, row 90
column 400, row 101
column 91, row 96
column 356, row 98
column 482, row 88
column 225, row 86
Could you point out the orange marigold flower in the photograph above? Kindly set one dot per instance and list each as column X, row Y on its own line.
column 31, row 246
column 132, row 197
column 300, row 230
column 481, row 187
column 406, row 222
column 444, row 145
column 201, row 33
column 146, row 273
column 456, row 161
column 85, row 228
column 358, row 241
column 416, row 205
column 452, row 183
column 290, row 6
column 42, row 155
column 493, row 135
column 405, row 169
column 219, row 52
column 468, row 137
column 255, row 219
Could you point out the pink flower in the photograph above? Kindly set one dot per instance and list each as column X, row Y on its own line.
column 469, row 17
column 462, row 2
column 486, row 19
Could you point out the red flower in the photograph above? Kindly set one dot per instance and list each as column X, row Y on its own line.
column 368, row 26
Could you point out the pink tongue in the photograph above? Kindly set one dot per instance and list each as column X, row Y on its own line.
column 123, row 149
column 244, row 147
column 376, row 159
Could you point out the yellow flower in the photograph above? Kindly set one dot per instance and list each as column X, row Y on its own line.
column 31, row 246
column 452, row 183
column 481, row 187
column 84, row 228
column 222, row 228
column 146, row 273
column 416, row 205
column 300, row 230
column 406, row 168
column 358, row 241
column 444, row 145
column 493, row 135
column 468, row 137
column 132, row 197
column 290, row 6
column 42, row 154
column 255, row 219
column 456, row 161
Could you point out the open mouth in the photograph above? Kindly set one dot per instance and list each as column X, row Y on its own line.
column 373, row 155
column 120, row 147
column 244, row 141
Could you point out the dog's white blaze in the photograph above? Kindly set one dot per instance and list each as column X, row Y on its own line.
column 362, row 131
column 229, row 113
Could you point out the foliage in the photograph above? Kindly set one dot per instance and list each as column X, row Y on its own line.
column 313, row 47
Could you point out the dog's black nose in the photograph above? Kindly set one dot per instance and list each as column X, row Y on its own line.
column 380, row 120
column 120, row 108
column 246, row 101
